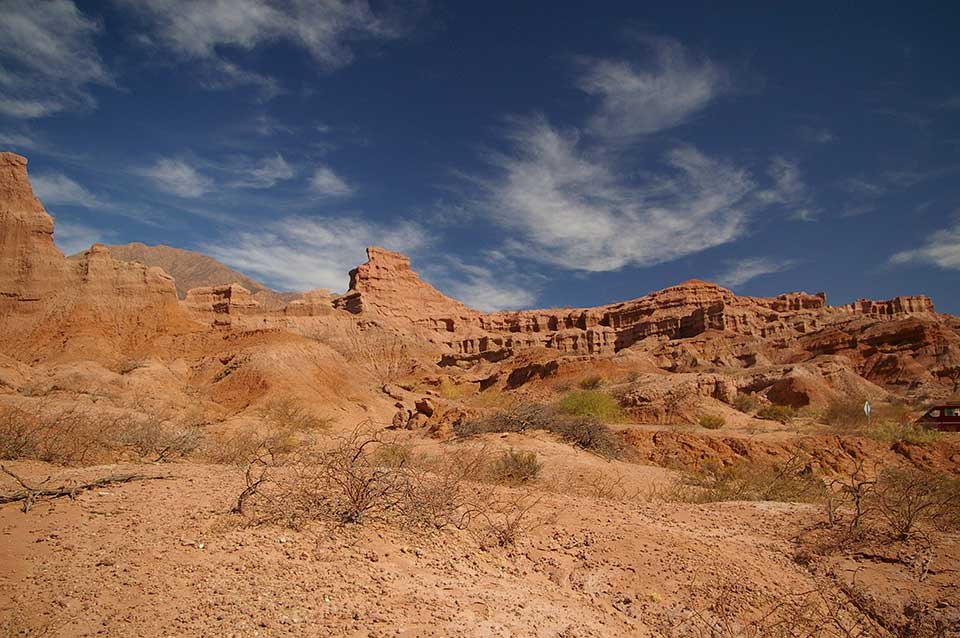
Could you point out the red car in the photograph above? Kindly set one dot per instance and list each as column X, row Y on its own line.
column 945, row 418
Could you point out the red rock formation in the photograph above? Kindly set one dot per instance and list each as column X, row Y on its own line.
column 215, row 304
column 898, row 306
column 312, row 303
column 385, row 286
column 92, row 304
column 30, row 263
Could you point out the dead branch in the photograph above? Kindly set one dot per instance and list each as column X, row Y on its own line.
column 29, row 494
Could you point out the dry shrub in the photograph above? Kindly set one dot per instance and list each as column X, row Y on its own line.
column 385, row 355
column 76, row 435
column 516, row 466
column 593, row 382
column 712, row 421
column 745, row 480
column 368, row 476
column 891, row 504
column 906, row 499
column 822, row 611
column 155, row 440
column 287, row 414
column 845, row 414
column 774, row 412
column 258, row 456
column 502, row 520
column 584, row 432
column 893, row 432
column 745, row 402
column 61, row 435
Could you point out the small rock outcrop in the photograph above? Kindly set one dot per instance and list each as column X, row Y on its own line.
column 312, row 303
column 215, row 304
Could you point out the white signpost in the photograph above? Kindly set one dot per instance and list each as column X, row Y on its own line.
column 866, row 410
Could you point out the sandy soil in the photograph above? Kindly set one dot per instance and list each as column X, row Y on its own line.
column 164, row 558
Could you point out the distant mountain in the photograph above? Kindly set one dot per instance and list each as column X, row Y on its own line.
column 190, row 269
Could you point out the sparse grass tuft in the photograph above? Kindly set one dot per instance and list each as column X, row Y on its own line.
column 593, row 382
column 745, row 402
column 781, row 413
column 712, row 421
column 746, row 480
column 845, row 414
column 517, row 467
column 893, row 432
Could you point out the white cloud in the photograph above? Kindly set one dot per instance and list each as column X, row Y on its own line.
column 202, row 29
column 177, row 177
column 744, row 270
column 494, row 284
column 219, row 74
column 567, row 209
column 817, row 135
column 72, row 237
column 942, row 250
column 328, row 183
column 790, row 190
column 267, row 172
column 56, row 188
column 299, row 253
column 17, row 141
column 638, row 101
column 859, row 186
column 267, row 126
column 488, row 293
column 48, row 58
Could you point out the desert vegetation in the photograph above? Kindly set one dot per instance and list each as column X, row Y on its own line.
column 583, row 431
column 790, row 481
column 712, row 421
column 775, row 412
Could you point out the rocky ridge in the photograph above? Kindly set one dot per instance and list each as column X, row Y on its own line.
column 794, row 346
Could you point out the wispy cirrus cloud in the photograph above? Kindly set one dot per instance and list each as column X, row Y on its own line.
column 178, row 177
column 301, row 252
column 48, row 58
column 565, row 207
column 817, row 135
column 73, row 237
column 489, row 283
column 942, row 250
column 741, row 271
column 790, row 190
column 266, row 172
column 328, row 184
column 638, row 100
column 57, row 188
column 201, row 31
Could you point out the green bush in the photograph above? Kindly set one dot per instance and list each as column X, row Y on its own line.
column 590, row 403
column 594, row 382
column 782, row 413
column 517, row 467
column 893, row 432
column 712, row 421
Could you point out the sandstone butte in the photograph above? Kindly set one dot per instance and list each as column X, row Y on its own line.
column 692, row 341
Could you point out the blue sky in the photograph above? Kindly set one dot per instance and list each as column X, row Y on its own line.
column 523, row 154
